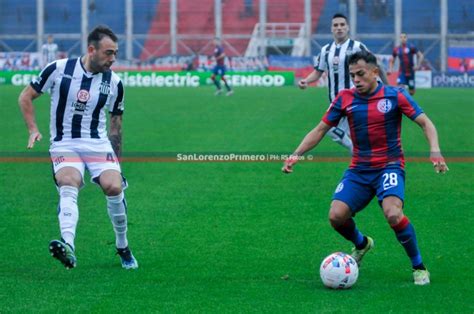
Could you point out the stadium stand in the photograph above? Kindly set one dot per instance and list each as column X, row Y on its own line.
column 151, row 17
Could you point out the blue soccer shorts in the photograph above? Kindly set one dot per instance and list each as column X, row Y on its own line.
column 358, row 187
column 219, row 70
column 406, row 80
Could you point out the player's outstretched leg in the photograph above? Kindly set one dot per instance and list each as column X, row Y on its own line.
column 117, row 209
column 218, row 85
column 126, row 257
column 229, row 90
column 350, row 232
column 63, row 252
column 406, row 235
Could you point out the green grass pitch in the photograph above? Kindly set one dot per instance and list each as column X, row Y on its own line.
column 217, row 237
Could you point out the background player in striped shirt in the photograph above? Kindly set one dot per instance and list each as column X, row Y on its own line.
column 81, row 90
column 374, row 112
column 333, row 60
column 49, row 51
column 406, row 53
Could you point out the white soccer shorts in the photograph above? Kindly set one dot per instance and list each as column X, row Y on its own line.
column 96, row 155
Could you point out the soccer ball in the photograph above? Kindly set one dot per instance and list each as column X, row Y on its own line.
column 339, row 271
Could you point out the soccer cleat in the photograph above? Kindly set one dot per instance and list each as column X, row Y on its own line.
column 127, row 258
column 359, row 254
column 218, row 92
column 421, row 277
column 229, row 93
column 63, row 252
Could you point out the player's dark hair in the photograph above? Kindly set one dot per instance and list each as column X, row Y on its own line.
column 339, row 15
column 98, row 33
column 368, row 57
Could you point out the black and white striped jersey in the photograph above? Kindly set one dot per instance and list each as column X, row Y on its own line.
column 333, row 59
column 79, row 99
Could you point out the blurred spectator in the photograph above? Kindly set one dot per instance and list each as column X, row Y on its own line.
column 464, row 65
column 248, row 7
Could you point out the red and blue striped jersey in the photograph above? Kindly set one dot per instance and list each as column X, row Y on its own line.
column 405, row 54
column 375, row 123
column 217, row 52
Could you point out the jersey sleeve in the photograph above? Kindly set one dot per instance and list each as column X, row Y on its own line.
column 334, row 112
column 321, row 67
column 407, row 105
column 363, row 47
column 116, row 104
column 45, row 79
column 316, row 61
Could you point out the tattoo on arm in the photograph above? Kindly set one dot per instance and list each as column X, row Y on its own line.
column 115, row 134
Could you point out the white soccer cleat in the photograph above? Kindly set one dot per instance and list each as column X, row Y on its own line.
column 421, row 277
column 229, row 93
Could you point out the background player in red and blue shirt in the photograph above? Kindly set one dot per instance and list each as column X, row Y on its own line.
column 406, row 55
column 374, row 112
column 219, row 69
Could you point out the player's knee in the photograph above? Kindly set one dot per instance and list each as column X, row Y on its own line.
column 393, row 215
column 112, row 188
column 68, row 181
column 336, row 217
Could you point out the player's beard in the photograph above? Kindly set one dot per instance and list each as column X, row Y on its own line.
column 100, row 67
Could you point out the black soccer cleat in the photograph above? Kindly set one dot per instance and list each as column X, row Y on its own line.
column 63, row 252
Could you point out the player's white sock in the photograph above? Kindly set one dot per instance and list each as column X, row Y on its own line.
column 118, row 215
column 68, row 213
column 338, row 135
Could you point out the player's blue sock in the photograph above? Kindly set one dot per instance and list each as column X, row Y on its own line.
column 406, row 236
column 226, row 85
column 216, row 82
column 349, row 231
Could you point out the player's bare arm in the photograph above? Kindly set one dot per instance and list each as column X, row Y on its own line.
column 420, row 57
column 115, row 134
column 310, row 141
column 25, row 102
column 432, row 136
column 391, row 62
column 312, row 77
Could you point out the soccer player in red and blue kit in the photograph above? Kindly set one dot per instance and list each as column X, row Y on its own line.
column 406, row 53
column 219, row 69
column 374, row 112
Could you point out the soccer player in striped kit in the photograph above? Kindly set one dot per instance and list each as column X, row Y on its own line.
column 218, row 72
column 82, row 91
column 406, row 55
column 374, row 112
column 333, row 60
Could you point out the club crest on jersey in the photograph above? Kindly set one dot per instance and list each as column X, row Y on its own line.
column 384, row 105
column 83, row 95
column 104, row 88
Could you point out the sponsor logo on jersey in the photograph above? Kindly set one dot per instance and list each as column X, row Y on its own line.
column 83, row 95
column 79, row 107
column 104, row 88
column 384, row 105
